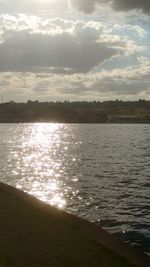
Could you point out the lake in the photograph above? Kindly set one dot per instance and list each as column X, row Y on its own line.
column 100, row 172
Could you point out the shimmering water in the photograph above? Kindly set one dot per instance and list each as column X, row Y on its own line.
column 99, row 172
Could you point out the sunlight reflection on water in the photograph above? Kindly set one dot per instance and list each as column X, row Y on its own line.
column 39, row 147
column 98, row 172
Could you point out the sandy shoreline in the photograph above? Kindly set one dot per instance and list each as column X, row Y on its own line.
column 35, row 234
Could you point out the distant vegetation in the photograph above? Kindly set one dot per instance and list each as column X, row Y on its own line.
column 76, row 112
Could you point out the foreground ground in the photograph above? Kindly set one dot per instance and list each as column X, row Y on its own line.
column 35, row 234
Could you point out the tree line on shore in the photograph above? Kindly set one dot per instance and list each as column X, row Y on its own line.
column 76, row 112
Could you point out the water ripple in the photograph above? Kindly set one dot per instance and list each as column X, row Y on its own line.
column 99, row 172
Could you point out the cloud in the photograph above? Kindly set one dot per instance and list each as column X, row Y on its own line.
column 128, row 83
column 31, row 6
column 139, row 72
column 48, row 51
column 88, row 6
column 28, row 43
column 132, row 81
column 144, row 5
column 60, row 47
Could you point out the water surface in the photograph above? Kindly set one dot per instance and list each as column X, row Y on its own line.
column 96, row 171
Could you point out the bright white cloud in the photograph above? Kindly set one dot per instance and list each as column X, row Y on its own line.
column 32, row 6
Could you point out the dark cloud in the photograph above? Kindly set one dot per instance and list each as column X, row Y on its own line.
column 65, row 52
column 144, row 5
column 88, row 6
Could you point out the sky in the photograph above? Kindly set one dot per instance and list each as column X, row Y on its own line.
column 74, row 50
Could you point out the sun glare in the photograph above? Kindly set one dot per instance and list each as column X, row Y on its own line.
column 45, row 1
column 42, row 133
column 41, row 177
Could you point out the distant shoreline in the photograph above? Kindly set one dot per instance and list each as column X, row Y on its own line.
column 76, row 112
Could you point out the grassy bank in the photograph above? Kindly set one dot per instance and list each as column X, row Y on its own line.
column 35, row 234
